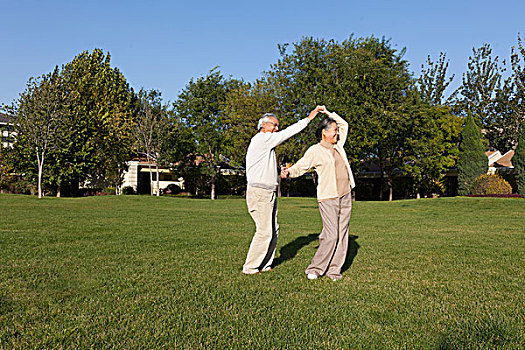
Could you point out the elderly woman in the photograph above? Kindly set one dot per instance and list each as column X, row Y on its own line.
column 334, row 194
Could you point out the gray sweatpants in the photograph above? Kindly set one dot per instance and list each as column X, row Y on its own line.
column 262, row 205
column 333, row 240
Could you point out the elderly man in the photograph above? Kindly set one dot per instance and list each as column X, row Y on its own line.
column 334, row 194
column 262, row 176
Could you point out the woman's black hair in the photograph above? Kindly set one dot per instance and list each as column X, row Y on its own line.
column 325, row 124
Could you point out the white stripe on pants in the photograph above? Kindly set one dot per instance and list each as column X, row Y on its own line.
column 333, row 240
column 262, row 205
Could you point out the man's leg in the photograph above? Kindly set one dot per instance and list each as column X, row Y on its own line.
column 260, row 205
column 327, row 239
column 268, row 259
column 338, row 260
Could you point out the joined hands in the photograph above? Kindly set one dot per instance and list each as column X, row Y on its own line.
column 316, row 110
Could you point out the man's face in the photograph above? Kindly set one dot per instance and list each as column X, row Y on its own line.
column 271, row 125
column 331, row 135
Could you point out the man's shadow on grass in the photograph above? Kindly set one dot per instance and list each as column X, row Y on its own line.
column 290, row 250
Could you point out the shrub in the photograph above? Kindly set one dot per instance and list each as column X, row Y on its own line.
column 490, row 184
column 109, row 191
column 172, row 189
column 17, row 185
column 128, row 190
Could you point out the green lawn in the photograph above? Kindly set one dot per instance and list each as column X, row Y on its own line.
column 140, row 272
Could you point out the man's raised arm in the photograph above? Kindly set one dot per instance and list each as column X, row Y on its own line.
column 276, row 138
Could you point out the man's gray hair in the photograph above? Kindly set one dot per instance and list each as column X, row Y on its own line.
column 264, row 119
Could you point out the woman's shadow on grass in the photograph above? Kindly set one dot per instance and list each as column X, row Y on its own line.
column 290, row 250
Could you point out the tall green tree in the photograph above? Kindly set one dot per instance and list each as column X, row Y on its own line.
column 299, row 81
column 40, row 115
column 365, row 80
column 148, row 128
column 102, row 105
column 433, row 80
column 200, row 106
column 244, row 105
column 388, row 98
column 432, row 138
column 511, row 129
column 518, row 161
column 472, row 161
column 489, row 96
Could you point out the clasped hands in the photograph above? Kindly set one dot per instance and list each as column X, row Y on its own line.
column 312, row 115
column 316, row 110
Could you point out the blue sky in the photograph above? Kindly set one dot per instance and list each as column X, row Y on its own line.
column 162, row 44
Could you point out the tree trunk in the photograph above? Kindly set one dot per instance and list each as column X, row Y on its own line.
column 59, row 190
column 158, row 179
column 150, row 178
column 213, row 187
column 39, row 180
column 381, row 181
column 118, row 182
column 40, row 161
column 390, row 188
column 279, row 181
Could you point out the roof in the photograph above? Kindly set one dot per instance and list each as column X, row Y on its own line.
column 493, row 156
column 505, row 160
column 5, row 118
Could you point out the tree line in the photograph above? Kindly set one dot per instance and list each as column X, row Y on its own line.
column 79, row 124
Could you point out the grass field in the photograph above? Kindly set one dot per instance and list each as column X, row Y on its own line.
column 142, row 272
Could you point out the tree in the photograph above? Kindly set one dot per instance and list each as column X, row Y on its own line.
column 151, row 130
column 299, row 81
column 101, row 115
column 433, row 80
column 488, row 96
column 364, row 79
column 518, row 161
column 244, row 105
column 431, row 146
column 516, row 119
column 472, row 160
column 387, row 106
column 40, row 114
column 200, row 106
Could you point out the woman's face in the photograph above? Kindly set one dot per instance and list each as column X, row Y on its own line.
column 331, row 135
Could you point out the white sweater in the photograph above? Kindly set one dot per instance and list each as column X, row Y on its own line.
column 261, row 164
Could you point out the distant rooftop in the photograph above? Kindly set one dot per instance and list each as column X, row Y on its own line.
column 497, row 160
column 4, row 118
column 504, row 161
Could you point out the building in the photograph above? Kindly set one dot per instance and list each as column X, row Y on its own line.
column 142, row 177
column 6, row 131
column 499, row 162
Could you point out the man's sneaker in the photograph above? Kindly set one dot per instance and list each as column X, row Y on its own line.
column 312, row 276
column 267, row 269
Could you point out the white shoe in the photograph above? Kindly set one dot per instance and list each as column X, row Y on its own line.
column 267, row 269
column 312, row 276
